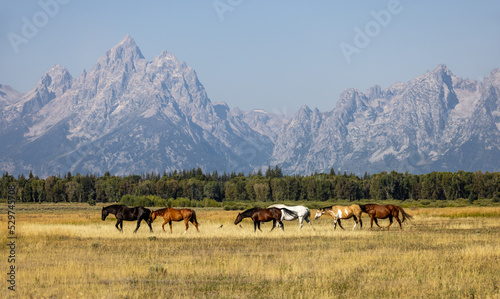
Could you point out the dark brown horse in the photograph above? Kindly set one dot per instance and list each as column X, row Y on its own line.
column 122, row 212
column 171, row 214
column 384, row 211
column 259, row 215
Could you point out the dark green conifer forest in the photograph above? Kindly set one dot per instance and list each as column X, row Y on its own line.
column 196, row 188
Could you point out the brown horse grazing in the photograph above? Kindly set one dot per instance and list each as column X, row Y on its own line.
column 171, row 214
column 342, row 212
column 259, row 215
column 384, row 211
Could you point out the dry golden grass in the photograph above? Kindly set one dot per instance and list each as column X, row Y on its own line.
column 70, row 252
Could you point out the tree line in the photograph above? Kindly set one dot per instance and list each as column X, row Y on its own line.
column 272, row 185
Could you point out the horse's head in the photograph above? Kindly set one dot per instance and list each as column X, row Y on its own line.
column 105, row 213
column 238, row 219
column 319, row 213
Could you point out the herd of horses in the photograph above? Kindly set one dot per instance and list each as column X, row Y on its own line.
column 275, row 213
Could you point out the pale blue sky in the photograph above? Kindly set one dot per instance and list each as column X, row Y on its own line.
column 274, row 55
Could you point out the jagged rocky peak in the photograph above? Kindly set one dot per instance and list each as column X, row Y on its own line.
column 124, row 57
column 57, row 80
column 305, row 109
column 304, row 113
column 449, row 98
column 305, row 118
column 168, row 62
column 129, row 108
column 374, row 92
column 126, row 49
column 166, row 56
column 494, row 78
column 351, row 100
column 442, row 69
column 54, row 83
column 441, row 74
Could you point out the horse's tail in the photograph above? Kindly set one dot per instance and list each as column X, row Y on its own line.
column 193, row 216
column 405, row 215
column 290, row 213
column 356, row 210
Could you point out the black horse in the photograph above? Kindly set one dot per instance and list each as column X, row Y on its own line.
column 122, row 212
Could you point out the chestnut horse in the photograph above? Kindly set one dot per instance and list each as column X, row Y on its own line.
column 384, row 211
column 171, row 214
column 259, row 215
column 342, row 212
column 122, row 212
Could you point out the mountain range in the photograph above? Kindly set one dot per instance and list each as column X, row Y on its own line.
column 129, row 115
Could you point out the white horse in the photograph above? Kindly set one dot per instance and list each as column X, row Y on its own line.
column 301, row 212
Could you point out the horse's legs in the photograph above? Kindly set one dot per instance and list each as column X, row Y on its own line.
column 170, row 224
column 163, row 225
column 371, row 222
column 186, row 222
column 274, row 224
column 399, row 221
column 301, row 220
column 258, row 225
column 340, row 224
column 376, row 222
column 195, row 224
column 355, row 222
column 149, row 224
column 117, row 225
column 390, row 222
column 309, row 222
column 281, row 225
column 138, row 225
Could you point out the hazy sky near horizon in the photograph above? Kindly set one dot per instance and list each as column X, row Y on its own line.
column 273, row 55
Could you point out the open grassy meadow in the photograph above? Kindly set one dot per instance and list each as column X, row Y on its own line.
column 67, row 251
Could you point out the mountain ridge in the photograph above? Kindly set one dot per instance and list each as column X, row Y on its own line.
column 406, row 127
column 128, row 114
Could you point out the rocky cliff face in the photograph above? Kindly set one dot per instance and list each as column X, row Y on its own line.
column 129, row 115
column 126, row 115
column 434, row 122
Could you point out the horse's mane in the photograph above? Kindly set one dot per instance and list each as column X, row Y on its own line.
column 160, row 212
column 113, row 206
column 249, row 212
column 368, row 205
column 113, row 209
column 326, row 208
